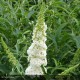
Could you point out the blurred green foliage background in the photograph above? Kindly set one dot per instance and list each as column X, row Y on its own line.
column 17, row 19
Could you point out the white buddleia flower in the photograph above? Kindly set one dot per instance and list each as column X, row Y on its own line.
column 37, row 55
column 37, row 51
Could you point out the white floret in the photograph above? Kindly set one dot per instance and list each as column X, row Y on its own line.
column 33, row 70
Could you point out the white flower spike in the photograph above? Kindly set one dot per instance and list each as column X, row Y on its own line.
column 37, row 50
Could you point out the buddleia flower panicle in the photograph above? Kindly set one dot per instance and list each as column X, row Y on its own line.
column 37, row 51
column 10, row 55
